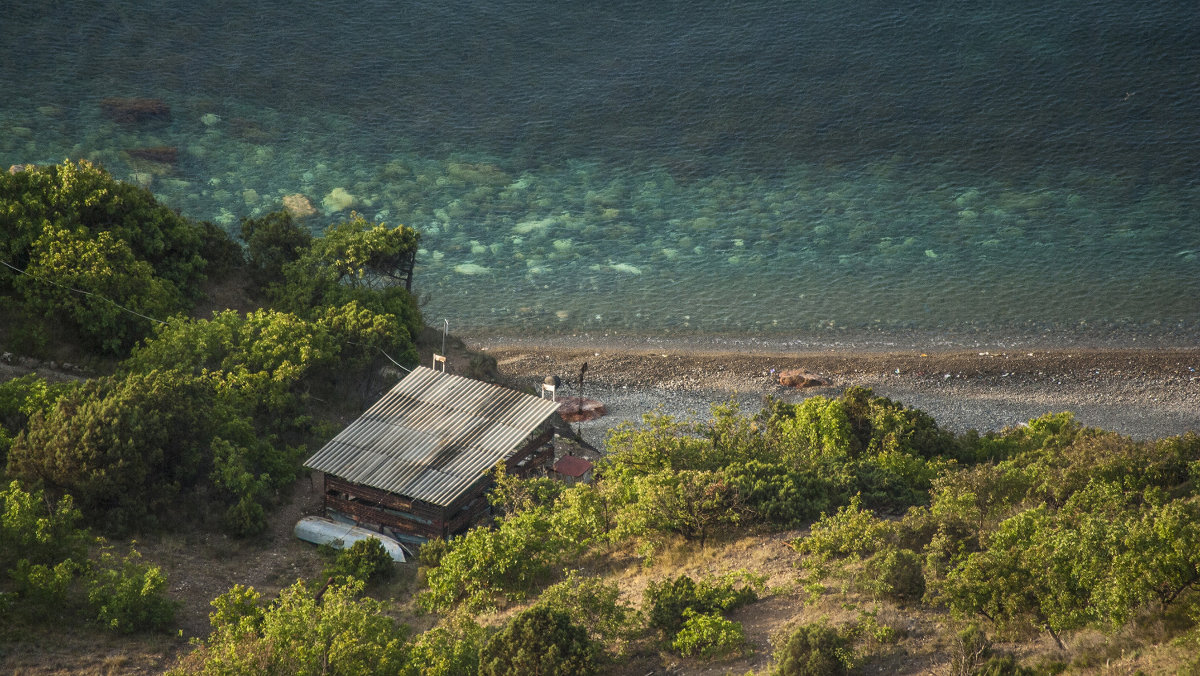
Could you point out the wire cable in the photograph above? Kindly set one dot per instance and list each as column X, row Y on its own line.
column 79, row 291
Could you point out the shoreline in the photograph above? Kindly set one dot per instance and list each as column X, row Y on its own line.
column 1142, row 392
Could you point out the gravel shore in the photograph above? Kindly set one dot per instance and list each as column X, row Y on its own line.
column 1143, row 393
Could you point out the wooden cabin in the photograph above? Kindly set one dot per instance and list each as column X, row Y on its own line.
column 417, row 464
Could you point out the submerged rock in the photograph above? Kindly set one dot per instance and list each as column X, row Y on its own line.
column 471, row 269
column 130, row 111
column 339, row 200
column 299, row 206
column 156, row 154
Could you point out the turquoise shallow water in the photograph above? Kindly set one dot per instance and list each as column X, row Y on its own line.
column 768, row 169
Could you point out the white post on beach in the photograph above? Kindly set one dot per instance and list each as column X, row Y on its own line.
column 551, row 389
column 437, row 358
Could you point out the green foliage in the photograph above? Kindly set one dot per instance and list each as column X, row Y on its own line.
column 366, row 560
column 1093, row 563
column 776, row 494
column 486, row 564
column 128, row 596
column 667, row 603
column 451, row 648
column 353, row 261
column 129, row 447
column 539, row 641
column 272, row 241
column 72, row 225
column 691, row 503
column 33, row 530
column 432, row 551
column 20, row 398
column 813, row 649
column 238, row 610
column 708, row 636
column 511, row 494
column 595, row 605
column 896, row 573
column 851, row 531
column 105, row 268
column 339, row 633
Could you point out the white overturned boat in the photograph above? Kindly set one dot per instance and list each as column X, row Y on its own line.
column 322, row 531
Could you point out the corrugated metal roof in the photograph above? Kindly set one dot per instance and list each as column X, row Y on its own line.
column 432, row 436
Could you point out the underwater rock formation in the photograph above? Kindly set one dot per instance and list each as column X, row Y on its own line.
column 159, row 154
column 130, row 111
column 299, row 206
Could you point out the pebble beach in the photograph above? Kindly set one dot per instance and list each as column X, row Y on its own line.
column 1143, row 393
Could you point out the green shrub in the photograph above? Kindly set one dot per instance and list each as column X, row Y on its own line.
column 897, row 573
column 432, row 551
column 668, row 602
column 127, row 595
column 851, row 531
column 451, row 648
column 595, row 605
column 707, row 635
column 272, row 241
column 813, row 649
column 365, row 560
column 539, row 641
column 76, row 225
column 340, row 633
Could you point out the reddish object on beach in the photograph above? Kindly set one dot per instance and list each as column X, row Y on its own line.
column 801, row 378
column 579, row 409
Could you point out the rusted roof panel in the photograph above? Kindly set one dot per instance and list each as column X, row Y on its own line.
column 432, row 436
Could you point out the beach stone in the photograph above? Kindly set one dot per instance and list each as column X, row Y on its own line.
column 580, row 409
column 800, row 378
column 130, row 111
column 339, row 200
column 299, row 206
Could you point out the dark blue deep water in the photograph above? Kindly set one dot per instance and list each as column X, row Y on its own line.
column 765, row 169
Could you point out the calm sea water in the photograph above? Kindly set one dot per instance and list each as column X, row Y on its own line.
column 754, row 168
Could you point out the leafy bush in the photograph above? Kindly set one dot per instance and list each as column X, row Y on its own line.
column 813, row 649
column 366, row 560
column 339, row 633
column 851, row 531
column 74, row 224
column 37, row 532
column 595, row 605
column 707, row 635
column 432, row 551
column 897, row 573
column 668, row 602
column 127, row 595
column 354, row 261
column 272, row 241
column 486, row 564
column 129, row 447
column 776, row 494
column 539, row 641
column 20, row 398
column 449, row 649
